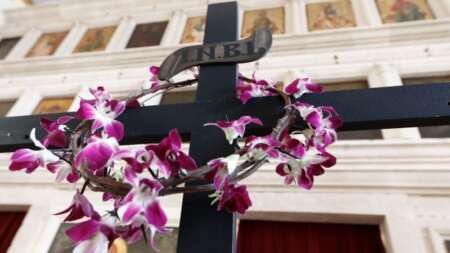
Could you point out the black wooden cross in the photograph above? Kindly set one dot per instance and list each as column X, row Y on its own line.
column 202, row 228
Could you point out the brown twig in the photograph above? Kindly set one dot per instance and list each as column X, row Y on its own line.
column 171, row 185
column 164, row 86
column 190, row 189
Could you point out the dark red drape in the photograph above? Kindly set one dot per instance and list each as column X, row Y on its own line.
column 292, row 237
column 9, row 224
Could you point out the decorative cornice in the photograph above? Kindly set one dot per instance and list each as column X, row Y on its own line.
column 425, row 33
column 81, row 10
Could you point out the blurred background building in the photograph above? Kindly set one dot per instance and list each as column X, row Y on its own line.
column 391, row 187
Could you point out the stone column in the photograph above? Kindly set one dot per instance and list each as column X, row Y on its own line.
column 447, row 5
column 121, row 35
column 72, row 39
column 302, row 20
column 174, row 29
column 26, row 103
column 24, row 45
column 294, row 23
column 385, row 75
column 440, row 8
column 370, row 11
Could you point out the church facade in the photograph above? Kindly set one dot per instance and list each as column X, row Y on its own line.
column 397, row 180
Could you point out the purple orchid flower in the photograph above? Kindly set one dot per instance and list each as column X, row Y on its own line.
column 255, row 88
column 30, row 160
column 325, row 134
column 233, row 197
column 79, row 208
column 260, row 146
column 129, row 234
column 141, row 207
column 100, row 94
column 154, row 79
column 168, row 158
column 56, row 136
column 302, row 170
column 323, row 137
column 330, row 118
column 302, row 85
column 103, row 111
column 139, row 159
column 64, row 171
column 292, row 146
column 309, row 113
column 93, row 236
column 222, row 167
column 235, row 128
column 324, row 119
column 98, row 154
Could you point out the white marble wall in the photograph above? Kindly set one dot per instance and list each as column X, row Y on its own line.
column 5, row 5
column 401, row 183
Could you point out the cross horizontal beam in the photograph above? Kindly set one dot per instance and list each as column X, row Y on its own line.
column 377, row 108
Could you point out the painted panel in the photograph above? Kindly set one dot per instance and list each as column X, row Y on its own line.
column 53, row 105
column 148, row 34
column 394, row 11
column 194, row 30
column 5, row 106
column 95, row 39
column 6, row 45
column 272, row 18
column 47, row 44
column 330, row 15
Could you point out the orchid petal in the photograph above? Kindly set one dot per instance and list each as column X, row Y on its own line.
column 98, row 244
column 131, row 210
column 155, row 215
column 83, row 231
column 115, row 129
column 35, row 141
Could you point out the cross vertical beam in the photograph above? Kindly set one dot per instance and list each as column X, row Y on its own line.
column 202, row 228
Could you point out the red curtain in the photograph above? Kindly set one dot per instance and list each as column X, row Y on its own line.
column 9, row 224
column 291, row 237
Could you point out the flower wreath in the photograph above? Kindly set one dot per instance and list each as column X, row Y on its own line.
column 134, row 178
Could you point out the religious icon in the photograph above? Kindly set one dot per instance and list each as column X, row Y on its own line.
column 267, row 18
column 149, row 34
column 5, row 106
column 194, row 30
column 95, row 39
column 47, row 44
column 6, row 45
column 53, row 105
column 394, row 11
column 330, row 15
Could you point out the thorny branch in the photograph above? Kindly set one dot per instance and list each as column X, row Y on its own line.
column 172, row 185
